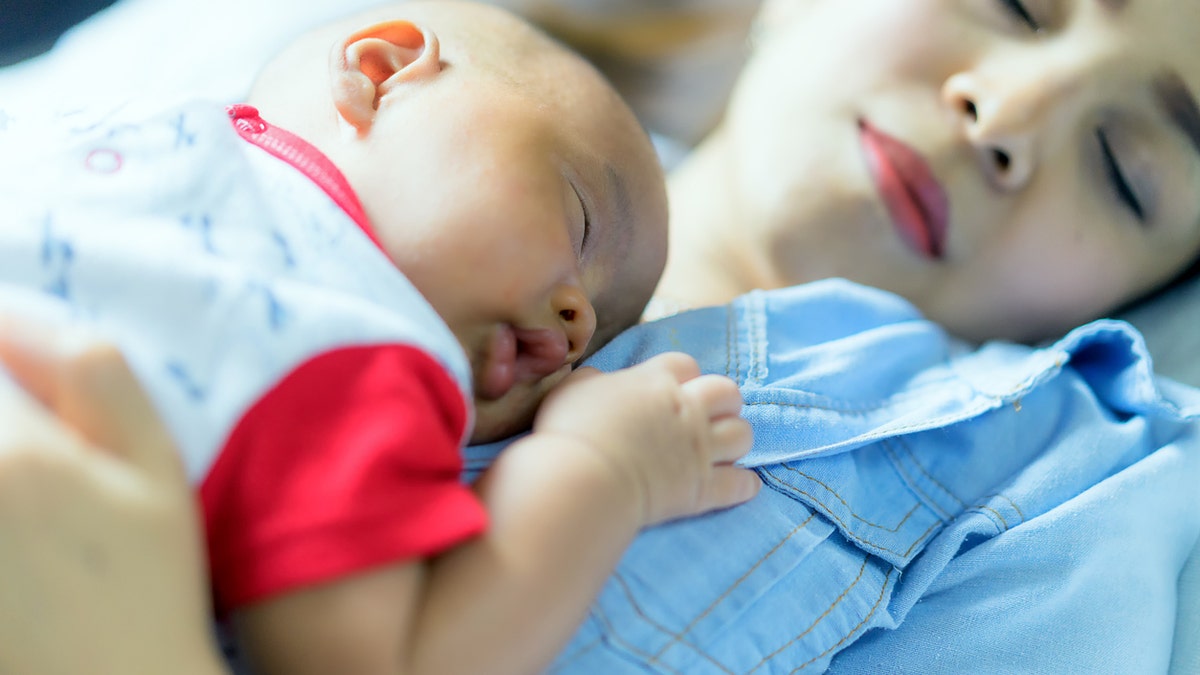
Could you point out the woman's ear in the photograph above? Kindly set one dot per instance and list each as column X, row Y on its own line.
column 372, row 62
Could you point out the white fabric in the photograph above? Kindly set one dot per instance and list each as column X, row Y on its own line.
column 216, row 267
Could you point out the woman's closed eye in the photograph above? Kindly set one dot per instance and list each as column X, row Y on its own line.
column 1118, row 179
column 1019, row 11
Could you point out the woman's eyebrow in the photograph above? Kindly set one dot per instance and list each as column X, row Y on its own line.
column 1179, row 105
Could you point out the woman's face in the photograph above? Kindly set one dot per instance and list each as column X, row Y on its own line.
column 1013, row 167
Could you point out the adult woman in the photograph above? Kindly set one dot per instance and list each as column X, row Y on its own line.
column 984, row 159
column 1037, row 131
column 96, row 518
column 1014, row 169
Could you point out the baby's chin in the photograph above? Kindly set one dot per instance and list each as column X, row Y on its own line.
column 501, row 419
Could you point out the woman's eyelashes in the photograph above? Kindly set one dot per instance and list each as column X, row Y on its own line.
column 1118, row 180
column 1021, row 13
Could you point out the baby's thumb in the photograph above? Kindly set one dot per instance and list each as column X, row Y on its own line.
column 731, row 485
column 87, row 384
column 582, row 373
column 573, row 379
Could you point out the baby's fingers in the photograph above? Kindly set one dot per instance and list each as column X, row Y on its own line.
column 732, row 439
column 729, row 486
column 681, row 366
column 718, row 395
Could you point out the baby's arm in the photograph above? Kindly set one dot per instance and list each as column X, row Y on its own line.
column 609, row 455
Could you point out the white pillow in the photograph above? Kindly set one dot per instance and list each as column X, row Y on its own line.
column 1171, row 325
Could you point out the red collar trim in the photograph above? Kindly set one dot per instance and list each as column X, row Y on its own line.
column 305, row 158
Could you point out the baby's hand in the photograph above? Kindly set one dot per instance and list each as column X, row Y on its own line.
column 668, row 431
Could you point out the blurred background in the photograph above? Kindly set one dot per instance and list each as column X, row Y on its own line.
column 674, row 60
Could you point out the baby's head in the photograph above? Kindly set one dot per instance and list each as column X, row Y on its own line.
column 502, row 174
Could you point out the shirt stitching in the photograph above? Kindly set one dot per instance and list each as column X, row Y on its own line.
column 845, row 529
column 614, row 637
column 914, row 485
column 890, row 529
column 900, row 441
column 837, row 601
column 874, row 608
column 708, row 610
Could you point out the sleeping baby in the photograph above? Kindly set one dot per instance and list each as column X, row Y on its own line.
column 421, row 220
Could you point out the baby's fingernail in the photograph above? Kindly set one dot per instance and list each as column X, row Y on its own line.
column 751, row 485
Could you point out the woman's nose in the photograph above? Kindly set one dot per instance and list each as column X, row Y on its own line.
column 1014, row 116
column 577, row 318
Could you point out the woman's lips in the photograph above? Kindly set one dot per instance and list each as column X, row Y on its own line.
column 915, row 200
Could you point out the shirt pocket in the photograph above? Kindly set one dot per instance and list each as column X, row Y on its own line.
column 766, row 584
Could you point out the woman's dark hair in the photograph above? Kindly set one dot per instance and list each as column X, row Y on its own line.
column 1189, row 273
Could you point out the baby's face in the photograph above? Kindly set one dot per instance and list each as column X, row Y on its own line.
column 524, row 201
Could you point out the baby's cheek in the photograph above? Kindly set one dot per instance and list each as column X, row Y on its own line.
column 508, row 416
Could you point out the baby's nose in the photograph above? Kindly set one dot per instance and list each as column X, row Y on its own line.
column 576, row 317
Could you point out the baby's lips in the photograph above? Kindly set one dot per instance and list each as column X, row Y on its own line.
column 499, row 371
column 518, row 355
column 540, row 352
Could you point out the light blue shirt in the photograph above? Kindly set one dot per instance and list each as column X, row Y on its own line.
column 929, row 507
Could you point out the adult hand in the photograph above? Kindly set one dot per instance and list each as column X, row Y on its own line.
column 100, row 549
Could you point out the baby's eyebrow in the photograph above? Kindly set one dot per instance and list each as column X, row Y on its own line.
column 619, row 201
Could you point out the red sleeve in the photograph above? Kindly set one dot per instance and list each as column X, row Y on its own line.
column 351, row 461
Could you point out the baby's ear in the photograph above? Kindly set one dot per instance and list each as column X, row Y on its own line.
column 372, row 62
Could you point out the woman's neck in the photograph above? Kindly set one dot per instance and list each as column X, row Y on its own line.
column 711, row 258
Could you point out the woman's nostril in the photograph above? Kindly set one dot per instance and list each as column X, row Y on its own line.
column 567, row 314
column 1002, row 159
column 970, row 110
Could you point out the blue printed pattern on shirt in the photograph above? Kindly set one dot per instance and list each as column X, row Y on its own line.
column 216, row 267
